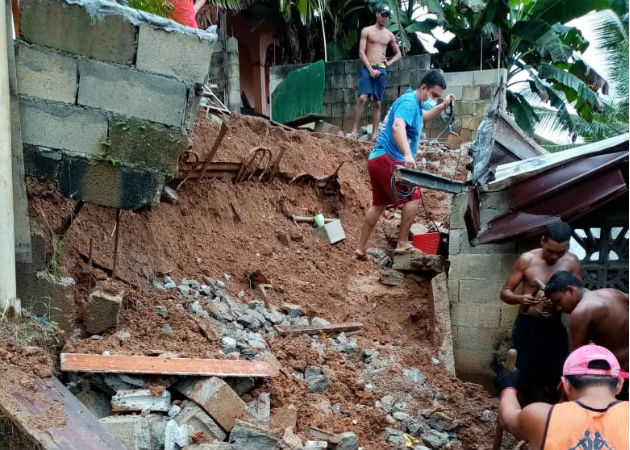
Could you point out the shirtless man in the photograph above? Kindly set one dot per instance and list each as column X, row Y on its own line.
column 600, row 316
column 373, row 77
column 538, row 335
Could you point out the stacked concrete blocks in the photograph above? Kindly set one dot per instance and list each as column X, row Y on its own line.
column 107, row 97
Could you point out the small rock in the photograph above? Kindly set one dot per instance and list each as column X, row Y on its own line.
column 380, row 257
column 318, row 384
column 370, row 355
column 205, row 290
column 393, row 436
column 318, row 322
column 290, row 438
column 348, row 441
column 442, row 422
column 421, row 447
column 414, row 375
column 173, row 411
column 455, row 444
column 489, row 416
column 341, row 344
column 167, row 329
column 316, row 445
column 284, row 238
column 220, row 284
column 169, row 283
column 257, row 305
column 198, row 260
column 435, row 361
column 259, row 409
column 399, row 406
column 241, row 294
column 193, row 284
column 387, row 402
column 336, row 408
column 158, row 285
column 123, row 335
column 184, row 290
column 226, row 277
column 176, row 436
column 196, row 308
column 228, row 344
column 161, row 311
column 390, row 277
column 96, row 337
column 300, row 321
column 292, row 310
column 169, row 195
column 435, row 439
column 312, row 372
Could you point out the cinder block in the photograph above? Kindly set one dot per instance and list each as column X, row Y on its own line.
column 215, row 397
column 353, row 66
column 41, row 162
column 101, row 311
column 465, row 108
column 174, row 54
column 419, row 62
column 45, row 73
column 481, row 291
column 132, row 93
column 106, row 184
column 72, row 129
column 470, row 93
column 350, row 96
column 335, row 68
column 453, row 290
column 508, row 316
column 477, row 338
column 459, row 78
column 473, row 362
column 459, row 203
column 475, row 314
column 140, row 399
column 393, row 79
column 197, row 419
column 332, row 232
column 337, row 110
column 134, row 432
column 109, row 38
column 489, row 76
column 456, row 91
column 146, row 144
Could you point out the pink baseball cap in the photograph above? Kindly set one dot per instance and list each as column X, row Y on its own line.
column 578, row 361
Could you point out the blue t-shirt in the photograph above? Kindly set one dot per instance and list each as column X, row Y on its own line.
column 408, row 109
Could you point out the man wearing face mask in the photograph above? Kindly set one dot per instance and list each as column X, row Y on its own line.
column 397, row 144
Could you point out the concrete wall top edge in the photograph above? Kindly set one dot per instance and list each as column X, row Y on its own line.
column 98, row 9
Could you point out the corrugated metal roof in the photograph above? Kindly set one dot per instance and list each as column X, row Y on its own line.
column 568, row 188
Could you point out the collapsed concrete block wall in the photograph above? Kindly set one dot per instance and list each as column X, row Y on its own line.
column 474, row 91
column 479, row 319
column 107, row 97
column 342, row 82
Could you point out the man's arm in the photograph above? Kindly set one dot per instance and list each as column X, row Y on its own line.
column 428, row 115
column 579, row 324
column 516, row 277
column 394, row 46
column 528, row 423
column 399, row 131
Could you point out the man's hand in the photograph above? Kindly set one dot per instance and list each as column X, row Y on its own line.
column 409, row 162
column 506, row 378
column 449, row 100
column 528, row 300
column 375, row 73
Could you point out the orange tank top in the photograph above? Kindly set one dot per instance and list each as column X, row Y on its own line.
column 575, row 426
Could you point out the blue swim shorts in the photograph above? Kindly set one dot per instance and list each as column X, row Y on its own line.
column 372, row 86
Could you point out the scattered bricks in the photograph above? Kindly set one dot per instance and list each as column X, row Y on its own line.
column 41, row 162
column 185, row 56
column 471, row 93
column 103, row 183
column 132, row 431
column 195, row 417
column 246, row 436
column 101, row 311
column 176, row 436
column 215, row 397
column 45, row 73
column 132, row 93
column 283, row 417
column 140, row 400
column 259, row 409
column 70, row 128
column 108, row 38
column 348, row 441
column 145, row 144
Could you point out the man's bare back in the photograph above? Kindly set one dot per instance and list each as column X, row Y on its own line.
column 601, row 316
column 376, row 40
column 530, row 268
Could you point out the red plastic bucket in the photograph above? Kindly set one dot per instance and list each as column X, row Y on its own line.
column 427, row 242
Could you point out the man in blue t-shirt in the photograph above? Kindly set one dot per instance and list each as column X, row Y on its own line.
column 397, row 145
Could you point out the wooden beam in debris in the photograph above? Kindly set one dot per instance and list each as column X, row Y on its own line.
column 316, row 329
column 79, row 430
column 79, row 362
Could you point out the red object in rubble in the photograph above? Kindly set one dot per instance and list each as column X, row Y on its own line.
column 427, row 242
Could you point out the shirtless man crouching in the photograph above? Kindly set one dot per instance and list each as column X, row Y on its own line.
column 373, row 77
column 538, row 335
column 600, row 316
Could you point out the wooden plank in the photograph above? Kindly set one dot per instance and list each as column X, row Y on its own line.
column 81, row 362
column 309, row 118
column 80, row 429
column 315, row 329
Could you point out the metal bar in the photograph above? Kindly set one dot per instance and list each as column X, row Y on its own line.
column 431, row 181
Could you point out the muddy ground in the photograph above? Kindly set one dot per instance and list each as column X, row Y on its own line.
column 219, row 227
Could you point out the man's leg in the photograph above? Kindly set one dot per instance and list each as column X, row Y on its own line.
column 409, row 211
column 358, row 110
column 371, row 218
column 376, row 117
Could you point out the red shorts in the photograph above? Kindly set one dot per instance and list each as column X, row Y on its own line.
column 380, row 170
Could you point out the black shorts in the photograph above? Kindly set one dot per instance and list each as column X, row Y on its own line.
column 542, row 345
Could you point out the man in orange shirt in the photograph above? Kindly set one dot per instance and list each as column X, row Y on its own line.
column 591, row 419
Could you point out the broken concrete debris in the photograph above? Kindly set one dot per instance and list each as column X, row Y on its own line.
column 259, row 409
column 195, row 417
column 283, row 417
column 247, row 436
column 102, row 309
column 317, row 381
column 140, row 400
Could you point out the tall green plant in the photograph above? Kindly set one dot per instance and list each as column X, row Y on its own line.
column 162, row 8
